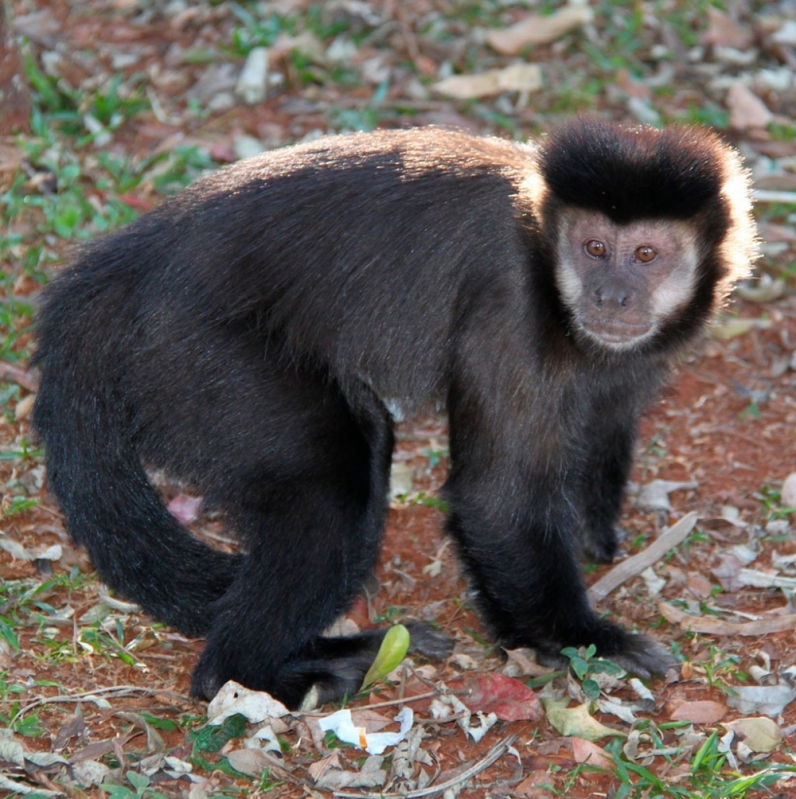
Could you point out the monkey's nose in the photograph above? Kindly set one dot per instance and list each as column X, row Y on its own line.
column 612, row 296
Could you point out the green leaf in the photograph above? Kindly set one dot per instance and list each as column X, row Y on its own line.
column 139, row 781
column 591, row 688
column 160, row 724
column 117, row 791
column 213, row 737
column 392, row 651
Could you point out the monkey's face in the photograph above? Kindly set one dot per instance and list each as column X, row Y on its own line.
column 622, row 282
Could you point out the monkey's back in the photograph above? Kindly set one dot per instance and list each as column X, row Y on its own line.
column 331, row 248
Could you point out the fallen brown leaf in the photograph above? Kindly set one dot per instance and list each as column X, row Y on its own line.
column 517, row 78
column 723, row 31
column 747, row 110
column 703, row 711
column 537, row 29
column 588, row 752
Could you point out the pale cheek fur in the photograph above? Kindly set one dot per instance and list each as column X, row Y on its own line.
column 569, row 283
column 677, row 289
column 672, row 295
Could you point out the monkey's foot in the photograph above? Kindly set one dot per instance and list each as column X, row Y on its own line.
column 635, row 653
column 327, row 670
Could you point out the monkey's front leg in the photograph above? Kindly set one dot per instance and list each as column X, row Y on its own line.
column 521, row 554
column 606, row 467
column 606, row 456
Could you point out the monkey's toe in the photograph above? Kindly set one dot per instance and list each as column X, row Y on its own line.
column 644, row 657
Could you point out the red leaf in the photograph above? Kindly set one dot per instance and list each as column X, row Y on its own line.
column 507, row 698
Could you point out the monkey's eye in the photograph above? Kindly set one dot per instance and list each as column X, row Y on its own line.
column 645, row 254
column 595, row 248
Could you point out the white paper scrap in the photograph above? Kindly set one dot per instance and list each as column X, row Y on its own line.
column 374, row 743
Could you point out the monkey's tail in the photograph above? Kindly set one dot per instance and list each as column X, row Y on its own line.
column 110, row 507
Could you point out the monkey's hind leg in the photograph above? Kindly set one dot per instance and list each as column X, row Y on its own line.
column 311, row 514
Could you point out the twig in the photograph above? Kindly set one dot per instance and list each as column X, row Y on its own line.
column 115, row 690
column 494, row 754
column 405, row 700
column 386, row 703
column 667, row 540
column 13, row 374
column 712, row 626
column 769, row 196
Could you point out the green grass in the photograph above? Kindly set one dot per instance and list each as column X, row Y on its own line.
column 708, row 777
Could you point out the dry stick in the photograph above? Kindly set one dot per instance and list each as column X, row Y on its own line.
column 14, row 374
column 406, row 700
column 494, row 754
column 770, row 196
column 667, row 540
column 115, row 690
column 709, row 626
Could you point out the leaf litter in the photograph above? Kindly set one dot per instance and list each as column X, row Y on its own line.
column 360, row 64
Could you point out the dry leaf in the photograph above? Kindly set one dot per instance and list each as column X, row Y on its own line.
column 11, row 158
column 654, row 496
column 724, row 331
column 233, row 698
column 24, row 407
column 788, row 494
column 401, row 480
column 249, row 761
column 588, row 752
column 522, row 663
column 786, row 34
column 770, row 700
column 747, row 110
column 765, row 579
column 492, row 692
column 16, row 550
column 700, row 712
column 668, row 539
column 764, row 289
column 371, row 775
column 758, row 733
column 320, row 767
column 725, row 32
column 514, row 78
column 698, row 585
column 537, row 29
column 576, row 721
column 305, row 43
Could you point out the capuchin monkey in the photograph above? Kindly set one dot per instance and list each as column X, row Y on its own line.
column 249, row 335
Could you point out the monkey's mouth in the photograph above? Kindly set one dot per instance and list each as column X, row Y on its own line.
column 617, row 333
